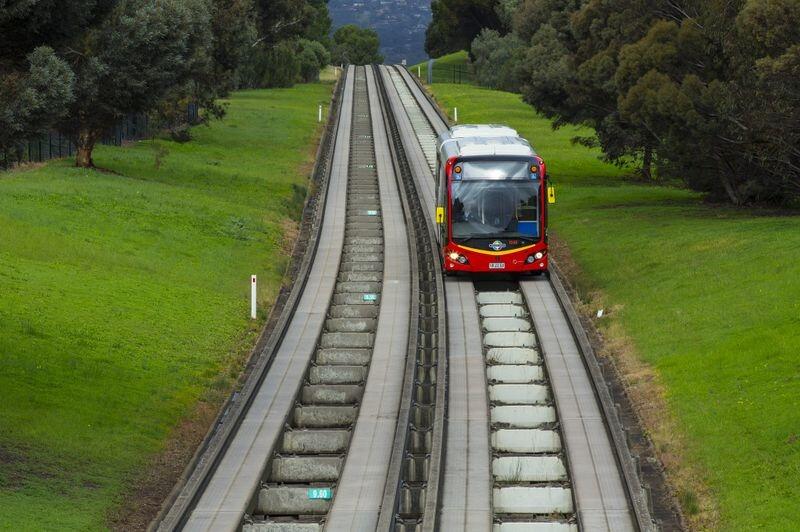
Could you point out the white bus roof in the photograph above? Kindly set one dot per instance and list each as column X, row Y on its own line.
column 478, row 140
column 484, row 147
column 482, row 130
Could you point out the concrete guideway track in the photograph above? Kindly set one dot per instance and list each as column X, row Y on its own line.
column 229, row 491
column 368, row 415
column 360, row 489
column 325, row 391
column 607, row 494
column 344, row 380
column 466, row 501
column 412, row 495
column 601, row 499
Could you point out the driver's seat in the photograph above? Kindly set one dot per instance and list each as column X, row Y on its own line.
column 497, row 208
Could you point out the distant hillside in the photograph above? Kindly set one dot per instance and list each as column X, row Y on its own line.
column 400, row 24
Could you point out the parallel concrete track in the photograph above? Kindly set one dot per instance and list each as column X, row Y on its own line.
column 391, row 398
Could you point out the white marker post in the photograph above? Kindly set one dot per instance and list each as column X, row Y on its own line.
column 455, row 115
column 419, row 72
column 253, row 289
column 319, row 114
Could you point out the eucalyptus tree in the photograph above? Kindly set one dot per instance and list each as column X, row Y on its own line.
column 36, row 85
column 356, row 46
column 129, row 61
column 705, row 91
column 455, row 23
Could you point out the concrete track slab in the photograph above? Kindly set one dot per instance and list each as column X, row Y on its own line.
column 360, row 489
column 601, row 500
column 231, row 487
column 466, row 503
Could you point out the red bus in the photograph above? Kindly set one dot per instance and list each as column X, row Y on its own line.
column 492, row 198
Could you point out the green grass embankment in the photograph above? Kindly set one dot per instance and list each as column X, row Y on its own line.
column 708, row 296
column 451, row 68
column 124, row 297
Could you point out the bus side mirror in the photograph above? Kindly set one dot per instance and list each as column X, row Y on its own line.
column 551, row 194
column 439, row 215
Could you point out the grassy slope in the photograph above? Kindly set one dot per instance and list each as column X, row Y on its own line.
column 710, row 297
column 443, row 67
column 124, row 295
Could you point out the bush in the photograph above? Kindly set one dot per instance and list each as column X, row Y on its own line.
column 312, row 57
column 498, row 60
column 356, row 46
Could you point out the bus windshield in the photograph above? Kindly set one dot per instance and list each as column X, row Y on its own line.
column 495, row 209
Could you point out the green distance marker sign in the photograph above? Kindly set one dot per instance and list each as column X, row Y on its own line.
column 370, row 297
column 325, row 494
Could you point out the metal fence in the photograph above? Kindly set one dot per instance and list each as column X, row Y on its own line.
column 54, row 145
column 451, row 74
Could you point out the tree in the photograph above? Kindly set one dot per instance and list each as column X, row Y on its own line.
column 31, row 101
column 233, row 25
column 355, row 46
column 117, row 71
column 704, row 91
column 719, row 91
column 36, row 86
column 498, row 60
column 572, row 63
column 312, row 57
column 280, row 20
column 281, row 54
column 318, row 27
column 455, row 23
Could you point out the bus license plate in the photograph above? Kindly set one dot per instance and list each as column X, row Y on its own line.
column 497, row 265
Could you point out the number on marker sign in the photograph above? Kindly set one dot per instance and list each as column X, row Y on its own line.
column 320, row 493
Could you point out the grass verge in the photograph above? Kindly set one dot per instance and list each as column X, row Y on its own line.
column 451, row 68
column 702, row 317
column 125, row 298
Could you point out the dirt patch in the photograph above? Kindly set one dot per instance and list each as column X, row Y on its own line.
column 291, row 231
column 680, row 498
column 18, row 469
column 159, row 476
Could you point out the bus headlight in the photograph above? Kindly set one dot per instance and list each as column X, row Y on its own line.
column 530, row 259
column 457, row 257
column 539, row 255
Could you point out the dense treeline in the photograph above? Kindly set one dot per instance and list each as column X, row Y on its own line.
column 80, row 66
column 707, row 91
column 356, row 46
